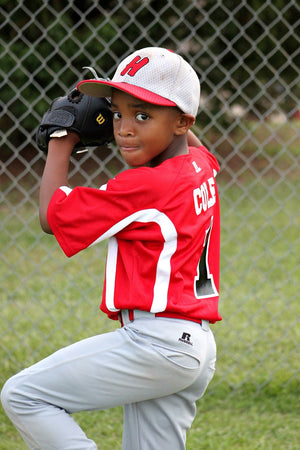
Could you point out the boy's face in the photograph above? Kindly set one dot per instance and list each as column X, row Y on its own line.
column 145, row 133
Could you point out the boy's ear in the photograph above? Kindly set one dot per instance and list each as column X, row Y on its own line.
column 184, row 123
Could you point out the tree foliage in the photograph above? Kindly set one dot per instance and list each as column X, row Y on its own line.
column 244, row 52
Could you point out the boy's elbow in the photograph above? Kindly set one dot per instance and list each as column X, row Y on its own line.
column 46, row 229
column 45, row 225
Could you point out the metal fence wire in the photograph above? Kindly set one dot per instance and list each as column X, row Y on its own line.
column 246, row 54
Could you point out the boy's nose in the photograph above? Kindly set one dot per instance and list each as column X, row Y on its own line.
column 125, row 128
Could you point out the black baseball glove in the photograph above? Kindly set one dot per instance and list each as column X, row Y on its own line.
column 89, row 117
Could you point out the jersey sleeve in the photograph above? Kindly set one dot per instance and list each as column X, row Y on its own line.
column 82, row 216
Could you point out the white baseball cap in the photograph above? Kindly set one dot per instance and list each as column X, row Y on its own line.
column 154, row 75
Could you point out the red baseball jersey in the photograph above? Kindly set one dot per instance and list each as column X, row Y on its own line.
column 163, row 226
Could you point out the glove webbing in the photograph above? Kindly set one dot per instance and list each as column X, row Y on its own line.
column 59, row 117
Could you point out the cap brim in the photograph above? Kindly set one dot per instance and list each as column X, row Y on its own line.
column 103, row 88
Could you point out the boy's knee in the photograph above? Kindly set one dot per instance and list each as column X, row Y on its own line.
column 6, row 394
column 10, row 395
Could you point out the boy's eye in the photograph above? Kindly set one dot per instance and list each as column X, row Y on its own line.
column 142, row 117
column 116, row 115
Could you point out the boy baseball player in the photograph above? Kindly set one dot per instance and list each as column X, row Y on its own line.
column 161, row 218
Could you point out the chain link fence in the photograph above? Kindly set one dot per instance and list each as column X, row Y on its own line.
column 247, row 56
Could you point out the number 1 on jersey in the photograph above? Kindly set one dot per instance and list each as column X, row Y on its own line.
column 204, row 285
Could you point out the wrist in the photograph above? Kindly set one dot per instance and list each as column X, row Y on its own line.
column 64, row 144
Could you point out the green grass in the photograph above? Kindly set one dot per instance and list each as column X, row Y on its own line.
column 48, row 301
column 267, row 421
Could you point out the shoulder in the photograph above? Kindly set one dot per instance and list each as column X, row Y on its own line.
column 203, row 156
column 142, row 178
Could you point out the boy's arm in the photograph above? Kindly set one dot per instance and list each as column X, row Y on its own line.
column 192, row 140
column 55, row 172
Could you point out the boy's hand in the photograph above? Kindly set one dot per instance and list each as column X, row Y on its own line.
column 89, row 117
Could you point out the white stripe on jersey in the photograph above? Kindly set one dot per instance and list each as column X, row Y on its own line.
column 66, row 189
column 163, row 270
column 111, row 267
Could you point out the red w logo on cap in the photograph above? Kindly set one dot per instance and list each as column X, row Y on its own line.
column 136, row 64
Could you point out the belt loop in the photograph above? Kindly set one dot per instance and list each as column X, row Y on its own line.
column 124, row 314
column 205, row 325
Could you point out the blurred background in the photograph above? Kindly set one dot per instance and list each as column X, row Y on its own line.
column 246, row 54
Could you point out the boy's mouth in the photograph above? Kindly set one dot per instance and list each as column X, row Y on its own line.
column 127, row 147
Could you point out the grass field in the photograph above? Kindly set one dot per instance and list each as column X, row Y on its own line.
column 48, row 301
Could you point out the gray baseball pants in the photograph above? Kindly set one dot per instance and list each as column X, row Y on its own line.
column 156, row 367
